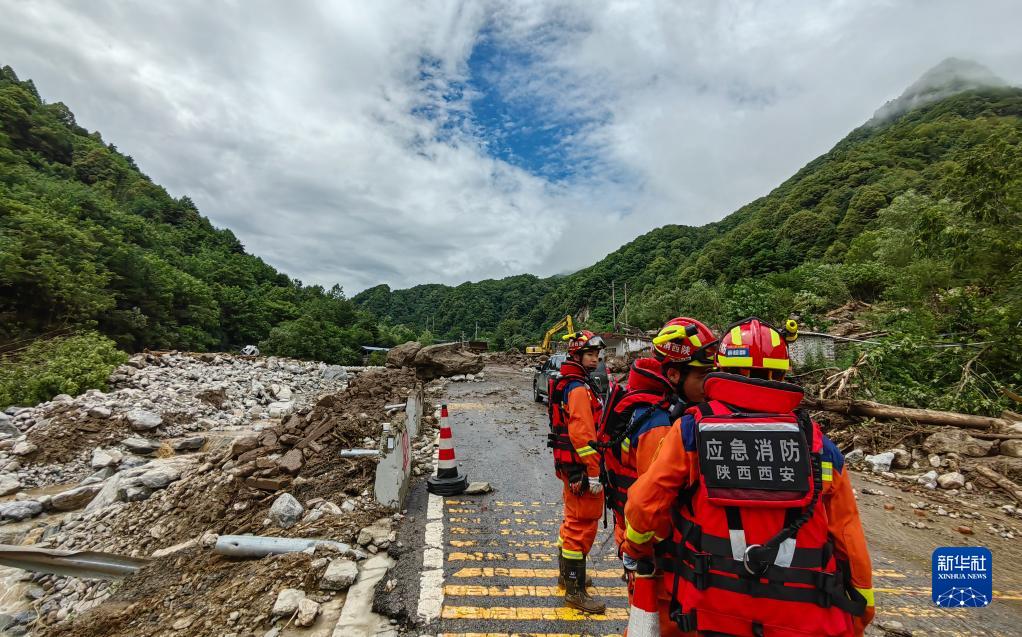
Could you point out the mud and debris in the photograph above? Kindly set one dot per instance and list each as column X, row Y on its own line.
column 159, row 469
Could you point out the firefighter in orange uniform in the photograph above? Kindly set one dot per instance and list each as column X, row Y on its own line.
column 754, row 503
column 575, row 408
column 638, row 417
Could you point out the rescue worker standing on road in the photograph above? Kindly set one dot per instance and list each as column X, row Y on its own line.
column 669, row 381
column 575, row 408
column 756, row 506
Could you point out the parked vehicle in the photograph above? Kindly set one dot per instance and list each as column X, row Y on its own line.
column 552, row 368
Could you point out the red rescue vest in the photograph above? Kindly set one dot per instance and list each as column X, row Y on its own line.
column 647, row 387
column 753, row 555
column 559, row 439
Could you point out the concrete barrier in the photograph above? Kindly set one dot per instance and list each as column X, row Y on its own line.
column 395, row 467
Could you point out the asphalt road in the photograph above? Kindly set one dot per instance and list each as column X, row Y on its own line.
column 500, row 555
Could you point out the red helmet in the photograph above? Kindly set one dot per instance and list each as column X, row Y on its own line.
column 685, row 341
column 755, row 344
column 584, row 340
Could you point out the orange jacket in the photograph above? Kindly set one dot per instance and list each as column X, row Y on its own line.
column 648, row 512
column 582, row 427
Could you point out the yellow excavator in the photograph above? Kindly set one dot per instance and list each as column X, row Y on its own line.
column 545, row 348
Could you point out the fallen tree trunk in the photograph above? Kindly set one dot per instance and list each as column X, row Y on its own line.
column 1013, row 489
column 890, row 412
column 982, row 435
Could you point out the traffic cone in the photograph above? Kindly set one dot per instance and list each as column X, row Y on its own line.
column 643, row 616
column 447, row 481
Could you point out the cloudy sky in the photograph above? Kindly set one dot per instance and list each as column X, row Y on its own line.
column 443, row 141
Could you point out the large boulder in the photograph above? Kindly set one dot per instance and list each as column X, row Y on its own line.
column 9, row 484
column 75, row 498
column 435, row 361
column 1012, row 448
column 143, row 420
column 286, row 511
column 20, row 510
column 957, row 441
column 403, row 355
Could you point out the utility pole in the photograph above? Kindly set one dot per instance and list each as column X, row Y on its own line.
column 624, row 310
column 613, row 305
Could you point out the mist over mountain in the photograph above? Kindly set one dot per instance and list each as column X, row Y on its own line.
column 951, row 76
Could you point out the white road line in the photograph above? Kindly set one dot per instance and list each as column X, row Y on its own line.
column 431, row 582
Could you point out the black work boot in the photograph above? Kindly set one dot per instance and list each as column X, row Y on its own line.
column 560, row 578
column 575, row 593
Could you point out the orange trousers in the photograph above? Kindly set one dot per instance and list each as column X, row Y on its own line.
column 582, row 515
column 667, row 627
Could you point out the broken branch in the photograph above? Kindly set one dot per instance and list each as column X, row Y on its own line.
column 1004, row 483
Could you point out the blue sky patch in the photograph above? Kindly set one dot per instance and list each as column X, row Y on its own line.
column 504, row 105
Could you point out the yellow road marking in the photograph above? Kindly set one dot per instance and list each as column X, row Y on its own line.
column 479, row 556
column 925, row 591
column 518, row 635
column 461, row 530
column 526, row 613
column 529, row 572
column 467, row 406
column 453, row 590
column 506, row 521
column 530, row 544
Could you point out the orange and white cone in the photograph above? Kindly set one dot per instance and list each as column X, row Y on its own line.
column 643, row 615
column 447, row 481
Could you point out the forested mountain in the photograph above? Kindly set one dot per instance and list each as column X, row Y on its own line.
column 917, row 212
column 88, row 241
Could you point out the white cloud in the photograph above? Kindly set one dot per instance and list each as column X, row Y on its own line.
column 294, row 125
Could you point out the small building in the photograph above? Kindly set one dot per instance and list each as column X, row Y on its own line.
column 369, row 350
column 812, row 346
column 621, row 345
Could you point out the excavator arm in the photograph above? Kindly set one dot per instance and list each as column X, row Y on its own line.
column 545, row 348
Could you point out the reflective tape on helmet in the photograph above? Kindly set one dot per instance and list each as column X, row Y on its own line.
column 736, row 335
column 777, row 363
column 734, row 361
column 694, row 339
column 635, row 537
column 584, row 451
column 775, row 338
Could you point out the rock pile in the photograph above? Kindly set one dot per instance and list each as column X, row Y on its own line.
column 155, row 489
column 156, row 398
column 942, row 459
column 435, row 361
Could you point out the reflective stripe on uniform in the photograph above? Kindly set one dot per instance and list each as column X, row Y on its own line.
column 585, row 451
column 827, row 471
column 868, row 594
column 626, row 444
column 635, row 537
column 572, row 555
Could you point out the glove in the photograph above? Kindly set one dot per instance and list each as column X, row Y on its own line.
column 595, row 486
column 631, row 564
column 578, row 482
column 637, row 568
